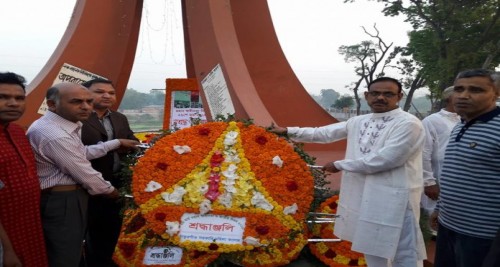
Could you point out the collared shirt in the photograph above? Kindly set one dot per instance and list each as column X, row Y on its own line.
column 469, row 198
column 61, row 157
column 438, row 128
column 106, row 123
column 108, row 126
column 20, row 198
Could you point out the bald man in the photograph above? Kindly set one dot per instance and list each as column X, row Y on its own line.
column 66, row 175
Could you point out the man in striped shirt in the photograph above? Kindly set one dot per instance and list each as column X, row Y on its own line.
column 66, row 175
column 468, row 209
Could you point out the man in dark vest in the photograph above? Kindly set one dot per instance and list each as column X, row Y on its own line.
column 104, row 213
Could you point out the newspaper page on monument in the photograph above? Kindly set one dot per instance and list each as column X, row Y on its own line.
column 72, row 74
column 217, row 94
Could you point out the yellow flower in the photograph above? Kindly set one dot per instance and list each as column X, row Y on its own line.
column 245, row 171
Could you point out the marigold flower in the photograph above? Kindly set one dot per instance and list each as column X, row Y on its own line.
column 337, row 254
column 227, row 171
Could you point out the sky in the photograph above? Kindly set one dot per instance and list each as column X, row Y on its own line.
column 310, row 33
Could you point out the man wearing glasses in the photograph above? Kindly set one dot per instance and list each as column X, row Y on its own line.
column 468, row 209
column 382, row 177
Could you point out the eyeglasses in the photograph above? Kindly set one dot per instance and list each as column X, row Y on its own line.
column 384, row 94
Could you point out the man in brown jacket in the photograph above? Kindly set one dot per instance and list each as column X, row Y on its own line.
column 104, row 213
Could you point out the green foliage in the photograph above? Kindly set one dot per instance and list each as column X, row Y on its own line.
column 345, row 101
column 450, row 36
column 133, row 99
column 126, row 172
column 136, row 100
column 227, row 118
column 321, row 193
column 371, row 58
column 328, row 97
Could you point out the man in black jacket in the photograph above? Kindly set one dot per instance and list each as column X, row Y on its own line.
column 104, row 214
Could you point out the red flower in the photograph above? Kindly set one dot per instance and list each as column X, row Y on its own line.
column 135, row 224
column 149, row 137
column 212, row 195
column 292, row 186
column 330, row 254
column 150, row 234
column 127, row 249
column 353, row 262
column 162, row 166
column 214, row 178
column 333, row 205
column 213, row 246
column 197, row 254
column 203, row 131
column 262, row 229
column 160, row 216
column 216, row 159
column 261, row 140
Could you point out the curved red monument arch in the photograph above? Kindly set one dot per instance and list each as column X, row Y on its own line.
column 239, row 35
column 101, row 38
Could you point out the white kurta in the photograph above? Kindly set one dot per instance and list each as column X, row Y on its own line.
column 438, row 128
column 382, row 178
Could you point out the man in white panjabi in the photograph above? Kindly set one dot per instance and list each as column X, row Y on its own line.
column 382, row 177
column 438, row 128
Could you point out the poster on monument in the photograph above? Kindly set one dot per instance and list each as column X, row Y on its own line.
column 186, row 108
column 217, row 93
column 72, row 74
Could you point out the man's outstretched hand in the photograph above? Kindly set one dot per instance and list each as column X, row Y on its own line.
column 330, row 167
column 278, row 130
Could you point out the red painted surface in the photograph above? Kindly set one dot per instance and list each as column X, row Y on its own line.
column 240, row 36
column 101, row 38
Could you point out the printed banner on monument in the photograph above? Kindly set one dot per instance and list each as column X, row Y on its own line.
column 72, row 74
column 217, row 93
column 186, row 107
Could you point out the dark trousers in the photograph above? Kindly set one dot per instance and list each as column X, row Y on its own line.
column 103, row 230
column 493, row 257
column 458, row 250
column 64, row 220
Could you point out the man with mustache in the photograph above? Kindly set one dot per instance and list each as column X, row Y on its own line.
column 382, row 177
column 66, row 175
column 104, row 213
column 20, row 223
column 468, row 209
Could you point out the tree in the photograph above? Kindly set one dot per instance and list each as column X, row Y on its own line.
column 156, row 98
column 345, row 101
column 134, row 100
column 370, row 57
column 328, row 97
column 449, row 36
column 411, row 72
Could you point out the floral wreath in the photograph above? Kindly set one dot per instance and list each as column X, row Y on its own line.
column 333, row 254
column 227, row 169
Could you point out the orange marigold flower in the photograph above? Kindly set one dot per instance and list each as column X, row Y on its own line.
column 226, row 159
